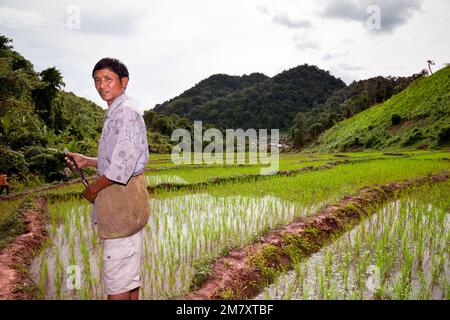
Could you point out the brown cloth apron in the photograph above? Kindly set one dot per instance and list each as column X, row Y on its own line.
column 122, row 210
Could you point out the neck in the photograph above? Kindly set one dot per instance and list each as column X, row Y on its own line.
column 110, row 102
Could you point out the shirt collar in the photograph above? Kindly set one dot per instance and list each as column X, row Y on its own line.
column 117, row 101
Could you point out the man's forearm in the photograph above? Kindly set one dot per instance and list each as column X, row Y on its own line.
column 102, row 182
column 92, row 162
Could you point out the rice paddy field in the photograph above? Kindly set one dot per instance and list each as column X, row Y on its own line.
column 400, row 252
column 199, row 212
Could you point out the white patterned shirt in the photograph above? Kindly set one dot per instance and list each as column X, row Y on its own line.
column 123, row 149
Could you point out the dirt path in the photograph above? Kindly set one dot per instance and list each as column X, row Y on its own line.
column 15, row 282
column 244, row 272
column 40, row 189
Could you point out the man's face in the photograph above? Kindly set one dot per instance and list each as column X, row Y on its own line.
column 108, row 84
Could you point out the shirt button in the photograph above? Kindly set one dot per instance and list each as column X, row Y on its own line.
column 109, row 257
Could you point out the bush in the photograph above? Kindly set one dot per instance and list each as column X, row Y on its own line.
column 33, row 151
column 12, row 162
column 87, row 147
column 10, row 227
column 354, row 144
column 372, row 142
column 28, row 139
column 444, row 136
column 415, row 136
column 157, row 143
column 396, row 119
column 48, row 165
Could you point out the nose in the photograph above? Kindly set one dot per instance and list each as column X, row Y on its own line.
column 101, row 84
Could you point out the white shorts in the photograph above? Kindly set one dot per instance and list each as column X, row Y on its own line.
column 122, row 263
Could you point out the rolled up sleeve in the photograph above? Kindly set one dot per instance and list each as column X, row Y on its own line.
column 126, row 151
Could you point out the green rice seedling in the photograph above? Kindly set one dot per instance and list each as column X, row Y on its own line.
column 315, row 186
column 72, row 256
column 186, row 227
column 86, row 263
column 395, row 238
column 59, row 274
column 43, row 278
column 66, row 228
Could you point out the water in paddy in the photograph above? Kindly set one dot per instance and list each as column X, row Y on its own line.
column 153, row 180
column 182, row 233
column 400, row 252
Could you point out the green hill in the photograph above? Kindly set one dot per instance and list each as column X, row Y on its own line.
column 417, row 117
column 215, row 86
column 345, row 103
column 254, row 101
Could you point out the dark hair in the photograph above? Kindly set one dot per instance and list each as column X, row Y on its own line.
column 114, row 65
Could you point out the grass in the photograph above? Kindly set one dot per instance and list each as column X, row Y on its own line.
column 329, row 185
column 12, row 223
column 6, row 208
column 423, row 107
column 185, row 176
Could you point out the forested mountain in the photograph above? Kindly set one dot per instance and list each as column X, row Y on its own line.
column 417, row 117
column 215, row 86
column 160, row 128
column 345, row 103
column 254, row 101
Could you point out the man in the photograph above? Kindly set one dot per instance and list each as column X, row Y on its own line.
column 120, row 195
column 4, row 183
column 66, row 174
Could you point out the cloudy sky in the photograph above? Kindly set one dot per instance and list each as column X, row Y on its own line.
column 170, row 45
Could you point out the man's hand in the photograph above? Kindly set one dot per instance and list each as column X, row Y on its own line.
column 90, row 193
column 81, row 160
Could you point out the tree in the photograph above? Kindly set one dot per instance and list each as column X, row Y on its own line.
column 53, row 77
column 396, row 119
column 430, row 63
column 299, row 138
column 4, row 42
column 314, row 130
column 5, row 129
column 149, row 117
column 299, row 121
column 44, row 96
column 61, row 120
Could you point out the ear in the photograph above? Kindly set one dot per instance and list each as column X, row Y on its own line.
column 124, row 81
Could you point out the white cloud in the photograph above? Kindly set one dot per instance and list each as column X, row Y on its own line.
column 303, row 42
column 284, row 20
column 13, row 18
column 169, row 46
column 392, row 13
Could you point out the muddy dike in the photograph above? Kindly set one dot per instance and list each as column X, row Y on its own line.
column 243, row 273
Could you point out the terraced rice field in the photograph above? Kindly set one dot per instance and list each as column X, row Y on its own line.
column 400, row 252
column 202, row 212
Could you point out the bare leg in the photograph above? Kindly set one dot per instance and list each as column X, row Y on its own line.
column 120, row 296
column 134, row 294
